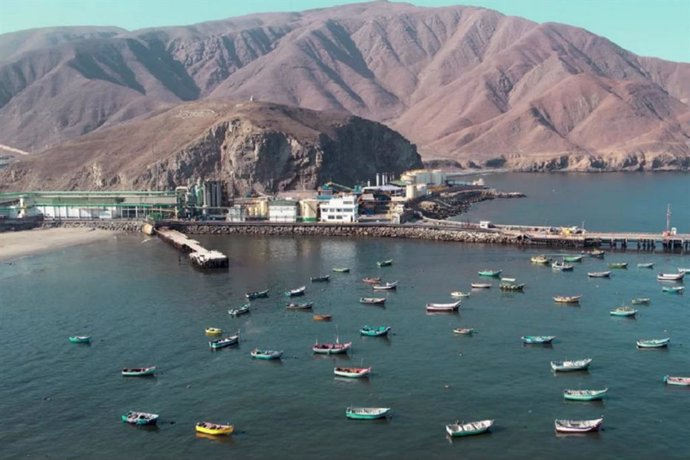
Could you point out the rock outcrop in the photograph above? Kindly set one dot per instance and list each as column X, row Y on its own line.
column 251, row 146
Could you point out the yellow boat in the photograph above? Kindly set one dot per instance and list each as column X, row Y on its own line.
column 213, row 331
column 214, row 429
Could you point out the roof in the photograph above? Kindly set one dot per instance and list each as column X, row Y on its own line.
column 283, row 203
column 383, row 188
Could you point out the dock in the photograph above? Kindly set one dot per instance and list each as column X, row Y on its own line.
column 198, row 255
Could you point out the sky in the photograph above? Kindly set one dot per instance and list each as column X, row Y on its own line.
column 659, row 28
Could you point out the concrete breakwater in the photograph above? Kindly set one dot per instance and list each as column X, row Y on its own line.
column 354, row 230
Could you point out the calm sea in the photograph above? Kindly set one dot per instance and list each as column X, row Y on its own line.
column 143, row 305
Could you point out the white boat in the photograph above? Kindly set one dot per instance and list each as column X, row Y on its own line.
column 442, row 307
column 584, row 395
column 140, row 418
column 670, row 276
column 566, row 366
column 296, row 292
column 386, row 286
column 682, row 381
column 459, row 294
column 508, row 280
column 239, row 311
column 578, row 426
column 480, row 285
column 463, row 330
column 599, row 274
column 683, row 270
column 352, row 372
column 469, row 429
column 653, row 343
column 138, row 371
column 562, row 266
column 266, row 354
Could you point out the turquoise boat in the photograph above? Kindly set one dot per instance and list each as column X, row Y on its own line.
column 80, row 339
column 341, row 269
column 641, row 301
column 618, row 265
column 366, row 413
column 378, row 331
column 537, row 339
column 490, row 273
column 385, row 263
column 673, row 289
column 584, row 395
column 266, row 354
column 572, row 258
column 140, row 418
column 623, row 311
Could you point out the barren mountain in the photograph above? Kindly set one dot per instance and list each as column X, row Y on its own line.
column 251, row 146
column 465, row 84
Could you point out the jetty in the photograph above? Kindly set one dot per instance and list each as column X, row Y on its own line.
column 198, row 255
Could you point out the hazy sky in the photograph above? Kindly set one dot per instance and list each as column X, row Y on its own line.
column 647, row 27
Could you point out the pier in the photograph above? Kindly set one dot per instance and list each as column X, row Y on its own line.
column 198, row 255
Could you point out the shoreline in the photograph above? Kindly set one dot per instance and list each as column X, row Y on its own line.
column 23, row 243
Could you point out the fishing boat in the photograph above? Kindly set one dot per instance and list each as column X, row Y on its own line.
column 256, row 294
column 266, row 354
column 366, row 413
column 681, row 381
column 673, row 289
column 239, row 311
column 80, row 339
column 214, row 429
column 670, row 276
column 599, row 274
column 331, row 348
column 508, row 280
column 213, row 331
column 442, row 307
column 646, row 265
column 584, row 395
column 341, row 269
column 385, row 263
column 372, row 300
column 375, row 331
column 224, row 342
column 322, row 317
column 618, row 265
column 468, row 429
column 385, row 286
column 490, row 273
column 596, row 253
column 138, row 371
column 641, row 301
column 537, row 339
column 577, row 258
column 567, row 298
column 623, row 311
column 140, row 418
column 296, row 292
column 371, row 280
column 320, row 279
column 352, row 372
column 540, row 260
column 562, row 267
column 578, row 426
column 463, row 330
column 299, row 306
column 683, row 270
column 567, row 366
column 480, row 285
column 459, row 294
column 511, row 286
column 653, row 343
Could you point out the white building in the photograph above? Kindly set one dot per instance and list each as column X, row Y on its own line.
column 341, row 209
column 283, row 211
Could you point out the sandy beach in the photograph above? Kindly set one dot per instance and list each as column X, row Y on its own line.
column 28, row 242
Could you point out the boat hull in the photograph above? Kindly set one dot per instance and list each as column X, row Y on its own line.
column 366, row 414
column 214, row 429
column 584, row 396
column 456, row 430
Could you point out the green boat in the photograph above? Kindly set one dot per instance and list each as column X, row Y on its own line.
column 572, row 258
column 385, row 263
column 366, row 413
column 341, row 269
column 80, row 339
column 673, row 289
column 490, row 273
column 618, row 265
column 623, row 311
column 584, row 395
column 378, row 331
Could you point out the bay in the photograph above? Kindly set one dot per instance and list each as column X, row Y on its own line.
column 143, row 304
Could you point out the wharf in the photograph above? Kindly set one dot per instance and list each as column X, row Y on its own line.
column 198, row 255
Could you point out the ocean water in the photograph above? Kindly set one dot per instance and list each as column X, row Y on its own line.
column 145, row 305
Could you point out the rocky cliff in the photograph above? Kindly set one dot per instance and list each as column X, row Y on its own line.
column 251, row 146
